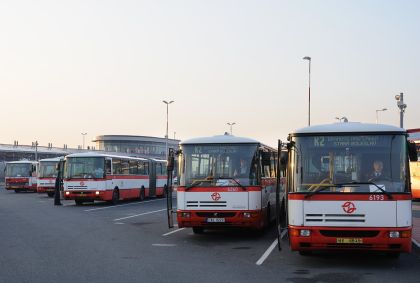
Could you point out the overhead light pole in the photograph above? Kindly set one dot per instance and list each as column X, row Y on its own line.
column 83, row 134
column 401, row 105
column 309, row 90
column 231, row 125
column 377, row 111
column 167, row 125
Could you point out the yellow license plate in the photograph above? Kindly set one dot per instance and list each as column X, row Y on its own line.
column 349, row 241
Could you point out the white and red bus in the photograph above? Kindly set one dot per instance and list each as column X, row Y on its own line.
column 334, row 200
column 92, row 176
column 47, row 174
column 21, row 175
column 225, row 181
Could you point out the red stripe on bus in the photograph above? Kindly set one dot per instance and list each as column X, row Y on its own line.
column 347, row 196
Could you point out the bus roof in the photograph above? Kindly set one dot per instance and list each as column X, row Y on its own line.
column 349, row 128
column 219, row 139
column 22, row 162
column 94, row 154
column 54, row 159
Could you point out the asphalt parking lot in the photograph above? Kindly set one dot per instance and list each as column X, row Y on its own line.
column 130, row 242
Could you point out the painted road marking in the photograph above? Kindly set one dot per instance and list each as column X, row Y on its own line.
column 119, row 223
column 415, row 242
column 270, row 249
column 177, row 230
column 118, row 205
column 163, row 245
column 145, row 213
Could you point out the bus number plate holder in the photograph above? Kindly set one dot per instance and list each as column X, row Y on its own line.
column 349, row 241
column 215, row 220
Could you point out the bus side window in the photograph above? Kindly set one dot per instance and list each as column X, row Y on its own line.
column 158, row 169
column 125, row 167
column 107, row 166
column 146, row 168
column 133, row 167
column 140, row 167
column 116, row 166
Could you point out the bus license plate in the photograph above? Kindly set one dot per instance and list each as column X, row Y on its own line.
column 216, row 220
column 349, row 241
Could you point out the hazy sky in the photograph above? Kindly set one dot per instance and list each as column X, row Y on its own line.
column 104, row 67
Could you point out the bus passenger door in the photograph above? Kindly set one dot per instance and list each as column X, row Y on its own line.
column 152, row 178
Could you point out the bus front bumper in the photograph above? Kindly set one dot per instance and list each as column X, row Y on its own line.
column 87, row 195
column 222, row 218
column 338, row 238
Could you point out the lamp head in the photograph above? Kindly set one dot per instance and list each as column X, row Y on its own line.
column 307, row 58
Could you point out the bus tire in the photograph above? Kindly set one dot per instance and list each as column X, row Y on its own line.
column 198, row 230
column 115, row 196
column 78, row 201
column 142, row 195
column 164, row 192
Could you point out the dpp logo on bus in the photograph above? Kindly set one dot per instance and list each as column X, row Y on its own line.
column 349, row 207
column 215, row 196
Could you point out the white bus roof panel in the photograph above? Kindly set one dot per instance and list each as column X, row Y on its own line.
column 55, row 159
column 93, row 154
column 348, row 127
column 219, row 139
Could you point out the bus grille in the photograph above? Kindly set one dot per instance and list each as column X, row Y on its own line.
column 358, row 218
column 77, row 187
column 206, row 204
column 349, row 246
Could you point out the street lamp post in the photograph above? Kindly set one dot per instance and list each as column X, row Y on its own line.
column 401, row 105
column 309, row 90
column 167, row 125
column 231, row 124
column 379, row 110
column 83, row 134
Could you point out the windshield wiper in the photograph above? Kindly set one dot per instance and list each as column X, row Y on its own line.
column 197, row 182
column 230, row 178
column 388, row 194
column 323, row 188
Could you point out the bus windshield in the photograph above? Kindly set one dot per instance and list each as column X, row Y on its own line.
column 84, row 167
column 18, row 170
column 348, row 163
column 218, row 165
column 47, row 169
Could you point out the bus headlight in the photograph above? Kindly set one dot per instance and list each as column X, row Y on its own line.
column 97, row 193
column 394, row 234
column 67, row 193
column 305, row 233
column 247, row 215
column 185, row 214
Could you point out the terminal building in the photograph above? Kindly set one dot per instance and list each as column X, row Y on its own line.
column 137, row 146
column 144, row 146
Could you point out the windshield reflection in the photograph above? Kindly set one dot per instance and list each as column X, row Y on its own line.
column 218, row 165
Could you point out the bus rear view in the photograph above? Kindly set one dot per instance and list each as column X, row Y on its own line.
column 349, row 188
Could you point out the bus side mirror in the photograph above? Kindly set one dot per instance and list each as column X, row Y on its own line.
column 412, row 151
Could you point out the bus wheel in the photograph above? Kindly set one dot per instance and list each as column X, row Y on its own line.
column 165, row 189
column 115, row 197
column 142, row 194
column 50, row 195
column 198, row 230
column 78, row 201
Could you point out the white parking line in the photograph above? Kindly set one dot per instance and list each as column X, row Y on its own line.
column 267, row 253
column 177, row 230
column 118, row 205
column 145, row 213
column 163, row 245
column 415, row 242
